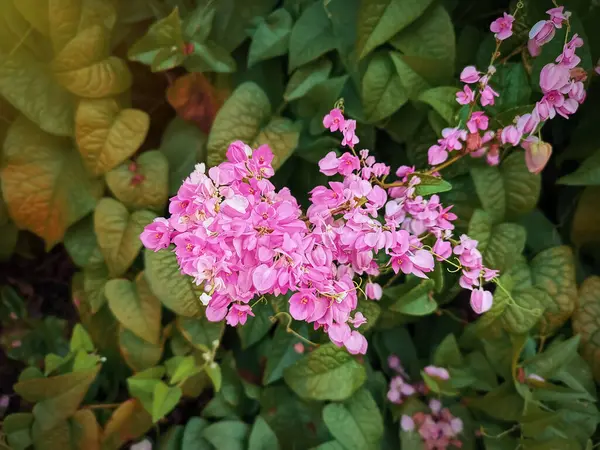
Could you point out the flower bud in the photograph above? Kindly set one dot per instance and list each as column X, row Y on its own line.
column 537, row 155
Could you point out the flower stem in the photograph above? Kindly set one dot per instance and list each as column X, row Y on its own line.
column 289, row 329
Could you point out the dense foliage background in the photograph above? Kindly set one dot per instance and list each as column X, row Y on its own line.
column 107, row 105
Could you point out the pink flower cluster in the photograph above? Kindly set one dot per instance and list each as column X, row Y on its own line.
column 240, row 238
column 438, row 429
column 561, row 84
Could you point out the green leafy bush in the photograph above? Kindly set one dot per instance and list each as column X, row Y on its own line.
column 107, row 106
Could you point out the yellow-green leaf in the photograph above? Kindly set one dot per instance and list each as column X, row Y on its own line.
column 242, row 117
column 165, row 399
column 129, row 421
column 143, row 183
column 118, row 234
column 553, row 270
column 281, row 135
column 44, row 183
column 86, row 431
column 138, row 353
column 586, row 322
column 135, row 307
column 200, row 332
column 107, row 135
column 175, row 290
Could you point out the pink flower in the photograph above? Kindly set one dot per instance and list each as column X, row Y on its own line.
column 302, row 305
column 537, row 155
column 442, row 249
column 436, row 155
column 487, row 96
column 299, row 347
column 238, row 152
column 348, row 130
column 348, row 164
column 542, row 32
column 481, row 301
column 359, row 319
column 534, row 48
column 406, row 423
column 502, row 27
column 157, row 235
column 545, row 110
column 339, row 333
column 393, row 362
column 334, row 120
column 437, row 372
column 329, row 164
column 238, row 314
column 452, row 138
column 465, row 96
column 554, row 77
column 264, row 278
column 511, row 135
column 470, row 75
column 597, row 68
column 568, row 107
column 373, row 291
column 493, row 155
column 527, row 123
column 478, row 121
column 356, row 343
column 557, row 17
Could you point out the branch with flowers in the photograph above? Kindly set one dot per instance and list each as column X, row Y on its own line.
column 239, row 237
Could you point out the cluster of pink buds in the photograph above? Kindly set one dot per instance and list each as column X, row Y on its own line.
column 438, row 429
column 561, row 84
column 240, row 238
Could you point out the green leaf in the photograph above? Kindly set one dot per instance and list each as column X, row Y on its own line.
column 135, row 307
column 118, row 234
column 379, row 20
column 201, row 333
column 307, row 77
column 271, row 37
column 44, row 183
column 143, row 389
column 586, row 322
column 241, row 118
column 162, row 46
column 312, row 36
column 503, row 403
column 327, row 373
column 512, row 80
column 95, row 276
column 213, row 370
column 138, row 353
column 281, row 354
column 227, row 434
column 107, row 135
column 413, row 297
column 262, row 436
column 165, row 400
column 81, row 340
column 80, row 241
column 553, row 359
column 443, row 100
column 175, row 290
column 413, row 82
column 382, row 90
column 428, row 45
column 587, row 174
column 371, row 310
column 192, row 435
column 256, row 327
column 129, row 420
column 29, row 86
column 356, row 423
column 447, row 354
column 499, row 244
column 184, row 145
column 430, row 185
column 142, row 184
column 508, row 191
column 553, row 271
column 85, row 67
column 210, row 57
column 61, row 397
column 17, row 429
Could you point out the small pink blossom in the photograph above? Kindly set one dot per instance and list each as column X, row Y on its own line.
column 334, row 120
column 348, row 164
column 238, row 314
column 157, row 235
column 373, row 291
column 502, row 27
column 406, row 423
column 528, row 123
column 358, row 320
column 465, row 96
column 487, row 96
column 348, row 130
column 299, row 347
column 511, row 135
column 537, row 155
column 534, row 48
column 329, row 164
column 393, row 362
column 557, row 16
column 481, row 300
column 554, row 77
column 436, row 155
column 356, row 343
column 437, row 372
column 542, row 32
column 470, row 75
column 442, row 249
column 478, row 121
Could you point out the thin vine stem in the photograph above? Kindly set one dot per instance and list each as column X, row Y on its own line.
column 290, row 330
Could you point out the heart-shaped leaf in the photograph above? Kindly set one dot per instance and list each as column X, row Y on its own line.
column 165, row 399
column 44, row 183
column 175, row 290
column 143, row 183
column 118, row 234
column 586, row 322
column 271, row 37
column 135, row 307
column 138, row 353
column 80, row 241
column 107, row 135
